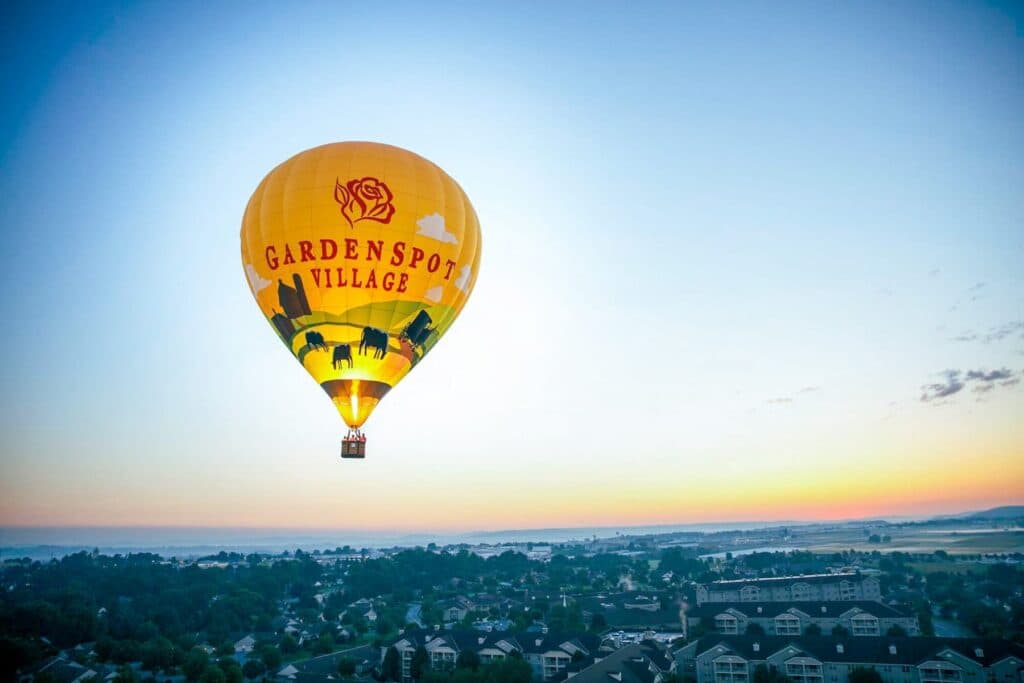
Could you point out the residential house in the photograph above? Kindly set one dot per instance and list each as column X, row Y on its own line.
column 455, row 609
column 245, row 644
column 63, row 669
column 362, row 608
column 548, row 654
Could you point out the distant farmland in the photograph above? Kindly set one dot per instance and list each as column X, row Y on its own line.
column 916, row 540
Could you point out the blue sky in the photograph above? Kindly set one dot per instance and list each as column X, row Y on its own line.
column 744, row 236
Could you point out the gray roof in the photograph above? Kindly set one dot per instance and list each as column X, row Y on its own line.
column 465, row 639
column 814, row 608
column 65, row 670
column 865, row 649
column 625, row 609
column 328, row 664
column 638, row 663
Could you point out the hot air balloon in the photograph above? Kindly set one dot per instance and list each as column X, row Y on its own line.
column 360, row 256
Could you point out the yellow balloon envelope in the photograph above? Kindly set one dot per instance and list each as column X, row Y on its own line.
column 361, row 256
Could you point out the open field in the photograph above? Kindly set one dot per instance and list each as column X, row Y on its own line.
column 915, row 540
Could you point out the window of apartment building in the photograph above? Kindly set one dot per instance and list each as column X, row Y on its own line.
column 847, row 590
column 554, row 663
column 750, row 593
column 442, row 661
column 801, row 591
column 726, row 623
column 864, row 625
column 804, row 670
column 787, row 625
column 940, row 672
column 731, row 669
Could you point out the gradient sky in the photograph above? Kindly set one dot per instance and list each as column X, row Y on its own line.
column 729, row 251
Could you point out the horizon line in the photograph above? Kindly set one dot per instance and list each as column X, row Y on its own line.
column 407, row 531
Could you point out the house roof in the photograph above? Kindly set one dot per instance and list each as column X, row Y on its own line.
column 865, row 649
column 65, row 670
column 637, row 663
column 466, row 639
column 328, row 664
column 816, row 608
column 633, row 608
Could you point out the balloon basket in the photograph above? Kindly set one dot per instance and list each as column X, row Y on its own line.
column 354, row 445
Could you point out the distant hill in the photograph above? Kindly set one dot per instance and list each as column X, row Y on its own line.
column 1005, row 512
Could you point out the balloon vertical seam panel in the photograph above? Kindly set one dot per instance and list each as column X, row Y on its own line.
column 343, row 247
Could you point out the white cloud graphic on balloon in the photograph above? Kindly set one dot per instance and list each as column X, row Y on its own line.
column 434, row 294
column 255, row 281
column 462, row 281
column 432, row 226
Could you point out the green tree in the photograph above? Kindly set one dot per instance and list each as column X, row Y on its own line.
column 126, row 674
column 157, row 653
column 860, row 674
column 896, row 631
column 766, row 674
column 755, row 629
column 812, row 630
column 420, row 663
column 232, row 670
column 213, row 674
column 253, row 668
column 840, row 630
column 598, row 623
column 195, row 663
column 923, row 610
column 324, row 644
column 391, row 667
column 104, row 648
column 508, row 670
column 288, row 644
column 271, row 657
column 346, row 667
column 468, row 659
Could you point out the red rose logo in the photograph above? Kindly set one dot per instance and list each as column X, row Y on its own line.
column 366, row 199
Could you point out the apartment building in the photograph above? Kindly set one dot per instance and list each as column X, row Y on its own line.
column 858, row 617
column 804, row 588
column 826, row 659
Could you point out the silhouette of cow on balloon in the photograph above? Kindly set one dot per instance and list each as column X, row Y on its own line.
column 342, row 354
column 374, row 339
column 316, row 340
